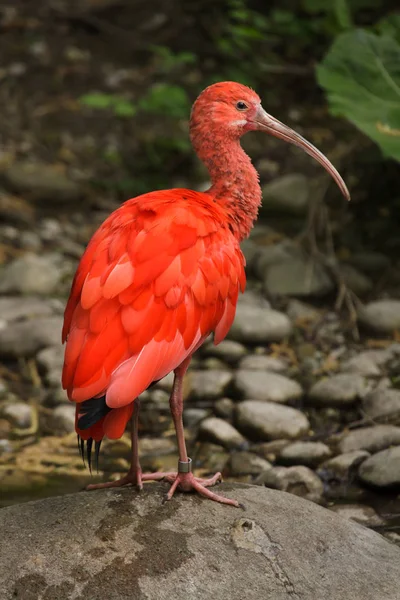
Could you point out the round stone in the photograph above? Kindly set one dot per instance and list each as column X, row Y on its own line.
column 269, row 421
column 304, row 453
column 223, row 433
column 338, row 390
column 373, row 439
column 269, row 387
column 382, row 469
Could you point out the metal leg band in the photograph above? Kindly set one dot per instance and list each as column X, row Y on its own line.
column 185, row 467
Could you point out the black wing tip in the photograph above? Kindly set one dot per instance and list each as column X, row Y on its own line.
column 88, row 451
column 92, row 411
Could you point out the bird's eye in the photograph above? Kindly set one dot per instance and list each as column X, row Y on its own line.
column 241, row 105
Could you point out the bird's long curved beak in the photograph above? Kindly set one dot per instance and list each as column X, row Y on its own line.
column 265, row 122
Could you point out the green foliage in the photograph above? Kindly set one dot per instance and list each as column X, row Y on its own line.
column 169, row 61
column 361, row 76
column 119, row 106
column 167, row 100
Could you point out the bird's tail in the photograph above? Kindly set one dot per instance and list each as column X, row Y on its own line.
column 94, row 420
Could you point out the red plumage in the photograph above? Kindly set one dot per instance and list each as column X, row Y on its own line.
column 161, row 271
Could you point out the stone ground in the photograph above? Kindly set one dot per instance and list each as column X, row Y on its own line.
column 124, row 545
column 290, row 400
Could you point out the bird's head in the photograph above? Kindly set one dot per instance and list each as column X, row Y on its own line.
column 229, row 110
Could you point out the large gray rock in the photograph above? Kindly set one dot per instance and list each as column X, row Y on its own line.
column 271, row 387
column 125, row 545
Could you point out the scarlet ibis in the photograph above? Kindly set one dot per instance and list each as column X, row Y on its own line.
column 160, row 274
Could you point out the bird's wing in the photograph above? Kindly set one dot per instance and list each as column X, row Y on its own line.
column 159, row 275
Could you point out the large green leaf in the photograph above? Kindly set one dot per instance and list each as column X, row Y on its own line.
column 361, row 76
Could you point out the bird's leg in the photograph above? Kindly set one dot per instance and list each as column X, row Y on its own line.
column 134, row 475
column 184, row 479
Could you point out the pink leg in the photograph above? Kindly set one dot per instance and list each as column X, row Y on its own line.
column 134, row 475
column 184, row 479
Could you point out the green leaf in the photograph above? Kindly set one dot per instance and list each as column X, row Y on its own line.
column 124, row 108
column 361, row 76
column 169, row 100
column 120, row 106
column 390, row 26
column 96, row 100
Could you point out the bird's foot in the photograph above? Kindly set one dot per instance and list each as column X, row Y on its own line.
column 133, row 477
column 187, row 482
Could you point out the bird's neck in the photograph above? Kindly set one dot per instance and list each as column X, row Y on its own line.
column 235, row 182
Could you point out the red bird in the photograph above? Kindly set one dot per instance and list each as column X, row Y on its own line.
column 162, row 273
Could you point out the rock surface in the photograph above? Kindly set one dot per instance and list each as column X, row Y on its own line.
column 382, row 469
column 120, row 545
column 255, row 325
column 382, row 316
column 271, row 421
column 338, row 390
column 270, row 387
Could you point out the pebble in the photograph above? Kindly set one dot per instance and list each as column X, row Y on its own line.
column 247, row 463
column 298, row 276
column 50, row 361
column 361, row 364
column 222, row 433
column 266, row 386
column 42, row 182
column 13, row 308
column 166, row 382
column 342, row 464
column 372, row 439
column 341, row 389
column 299, row 311
column 193, row 416
column 211, row 457
column 19, row 414
column 26, row 338
column 381, row 316
column 61, row 420
column 56, row 396
column 224, row 408
column 269, row 450
column 298, row 480
column 271, row 254
column 381, row 402
column 263, row 362
column 268, row 420
column 256, row 325
column 228, row 350
column 360, row 513
column 310, row 454
column 288, row 194
column 210, row 384
column 382, row 469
